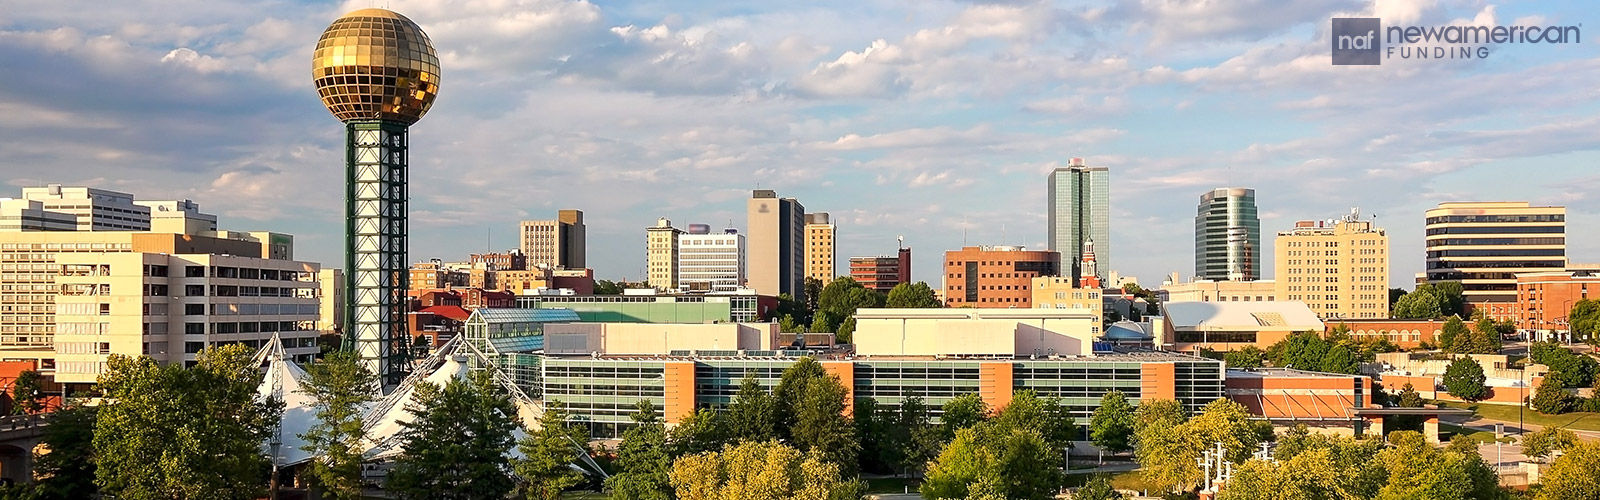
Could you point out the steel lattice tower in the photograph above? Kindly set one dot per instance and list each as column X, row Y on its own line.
column 378, row 73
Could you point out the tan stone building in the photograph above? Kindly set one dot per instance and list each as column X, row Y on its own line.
column 1056, row 292
column 661, row 255
column 559, row 243
column 1339, row 268
column 775, row 254
column 820, row 248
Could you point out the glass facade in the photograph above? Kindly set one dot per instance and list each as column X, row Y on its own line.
column 1227, row 236
column 1485, row 245
column 1080, row 210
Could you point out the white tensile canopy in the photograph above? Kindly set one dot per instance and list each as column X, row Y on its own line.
column 282, row 382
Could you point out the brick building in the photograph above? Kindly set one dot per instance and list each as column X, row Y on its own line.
column 995, row 276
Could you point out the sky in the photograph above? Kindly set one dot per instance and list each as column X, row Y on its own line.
column 936, row 120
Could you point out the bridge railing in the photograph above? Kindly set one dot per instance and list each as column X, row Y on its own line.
column 22, row 422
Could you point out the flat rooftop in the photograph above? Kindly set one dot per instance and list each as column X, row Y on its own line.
column 1281, row 373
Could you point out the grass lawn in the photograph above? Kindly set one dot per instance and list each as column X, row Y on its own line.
column 1575, row 420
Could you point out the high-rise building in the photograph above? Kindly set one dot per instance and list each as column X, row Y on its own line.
column 819, row 248
column 558, row 243
column 178, row 216
column 510, row 260
column 377, row 114
column 1340, row 268
column 1484, row 245
column 777, row 254
column 1079, row 211
column 882, row 273
column 711, row 262
column 995, row 276
column 661, row 255
column 1227, row 236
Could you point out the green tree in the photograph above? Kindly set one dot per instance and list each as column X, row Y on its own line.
column 913, row 295
column 340, row 387
column 824, row 322
column 963, row 412
column 1245, row 357
column 760, row 471
column 64, row 467
column 1574, row 476
column 1111, row 427
column 1551, row 398
column 1303, row 350
column 1584, row 321
column 813, row 291
column 1464, row 379
column 873, row 432
column 1046, row 416
column 1451, row 335
column 1416, row 469
column 1574, row 370
column 996, row 461
column 838, row 303
column 1156, row 442
column 1540, row 443
column 821, row 426
column 1421, row 303
column 918, row 439
column 699, row 432
column 1394, row 296
column 1098, row 487
column 1408, row 398
column 455, row 446
column 547, row 452
column 790, row 392
column 1451, row 297
column 607, row 287
column 174, row 433
column 1339, row 360
column 645, row 467
column 27, row 393
column 752, row 416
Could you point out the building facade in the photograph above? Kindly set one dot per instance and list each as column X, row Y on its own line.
column 689, row 309
column 559, row 243
column 1340, row 268
column 1079, row 211
column 711, row 262
column 1225, row 326
column 995, row 276
column 820, row 248
column 330, row 316
column 777, row 250
column 94, row 209
column 1406, row 333
column 511, row 260
column 1484, row 245
column 1545, row 299
column 1227, row 236
column 1221, row 291
column 882, row 273
column 1057, row 292
column 661, row 255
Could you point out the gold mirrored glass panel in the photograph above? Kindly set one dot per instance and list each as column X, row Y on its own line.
column 375, row 64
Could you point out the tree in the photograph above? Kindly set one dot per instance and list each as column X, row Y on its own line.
column 788, row 396
column 917, row 439
column 1098, row 487
column 1451, row 335
column 1450, row 297
column 1394, row 296
column 1409, row 398
column 643, row 459
column 760, row 471
column 813, row 288
column 27, row 393
column 455, row 446
column 821, row 426
column 1157, row 442
column 699, row 432
column 1303, row 350
column 1576, row 475
column 1419, row 304
column 1046, row 416
column 1540, row 443
column 1552, row 398
column 873, row 433
column 547, row 453
column 963, row 412
column 1417, row 469
column 752, row 416
column 340, row 387
column 1245, row 357
column 1584, row 321
column 65, row 467
column 170, row 432
column 1339, row 360
column 607, row 287
column 1464, row 379
column 913, row 295
column 994, row 461
column 1111, row 427
column 838, row 303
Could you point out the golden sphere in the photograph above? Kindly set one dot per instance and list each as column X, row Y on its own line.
column 374, row 64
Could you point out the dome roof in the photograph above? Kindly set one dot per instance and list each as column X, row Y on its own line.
column 376, row 64
column 1125, row 330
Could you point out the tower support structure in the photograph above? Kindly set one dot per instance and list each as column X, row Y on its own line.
column 375, row 247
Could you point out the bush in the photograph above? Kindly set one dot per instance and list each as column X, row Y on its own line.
column 1552, row 399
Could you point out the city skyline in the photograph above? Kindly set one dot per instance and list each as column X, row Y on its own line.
column 818, row 114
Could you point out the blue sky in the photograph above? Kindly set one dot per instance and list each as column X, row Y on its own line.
column 929, row 119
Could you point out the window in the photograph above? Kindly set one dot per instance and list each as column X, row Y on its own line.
column 194, row 329
column 194, row 309
column 194, row 272
column 194, row 290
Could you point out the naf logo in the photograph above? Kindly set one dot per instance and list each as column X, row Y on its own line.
column 1356, row 41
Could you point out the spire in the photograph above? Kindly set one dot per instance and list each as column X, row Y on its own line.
column 1091, row 272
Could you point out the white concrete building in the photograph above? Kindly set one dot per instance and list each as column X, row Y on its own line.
column 713, row 262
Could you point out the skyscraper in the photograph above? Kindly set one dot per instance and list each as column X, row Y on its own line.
column 1484, row 245
column 661, row 255
column 558, row 243
column 819, row 248
column 1227, row 236
column 378, row 73
column 777, row 252
column 1080, row 210
column 1340, row 267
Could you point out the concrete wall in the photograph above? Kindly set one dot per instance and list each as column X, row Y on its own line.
column 648, row 338
column 973, row 336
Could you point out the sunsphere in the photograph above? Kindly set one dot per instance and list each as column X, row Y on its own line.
column 375, row 64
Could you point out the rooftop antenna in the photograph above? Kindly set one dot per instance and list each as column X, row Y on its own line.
column 963, row 230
